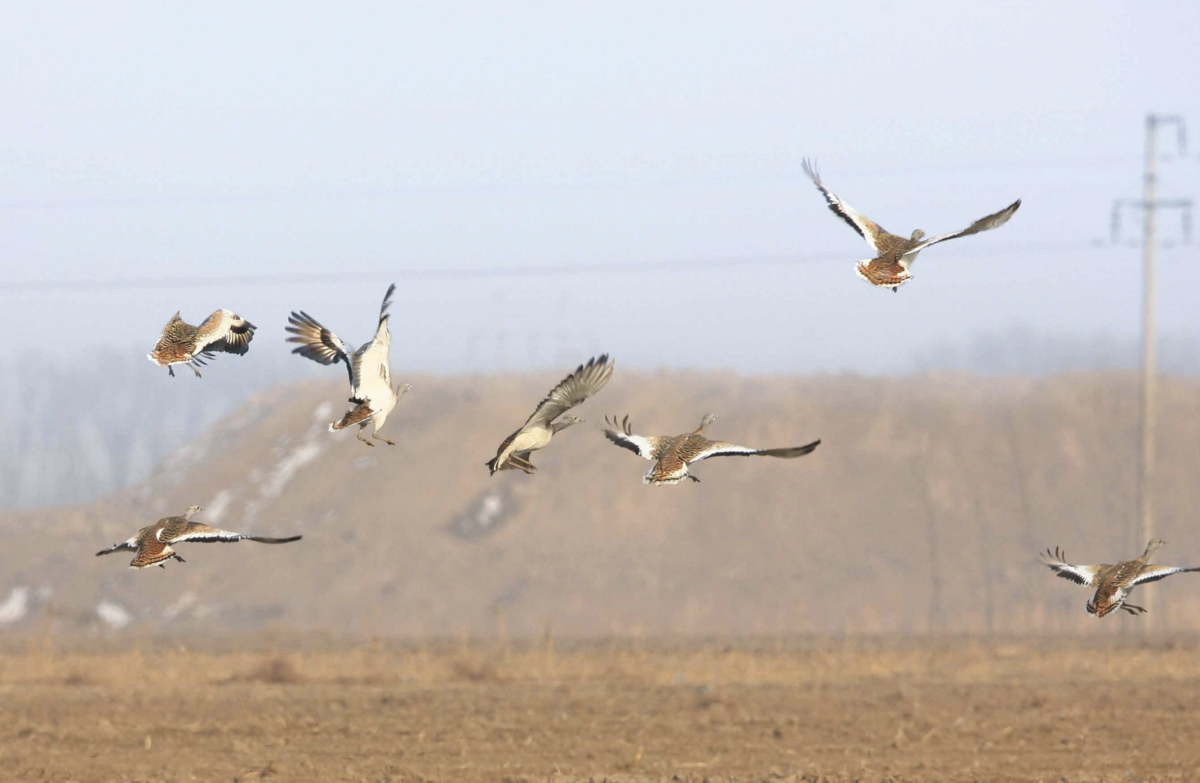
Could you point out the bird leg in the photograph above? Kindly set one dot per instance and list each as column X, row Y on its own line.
column 364, row 440
column 520, row 463
column 375, row 436
column 171, row 371
column 198, row 375
column 1132, row 609
column 180, row 559
column 693, row 478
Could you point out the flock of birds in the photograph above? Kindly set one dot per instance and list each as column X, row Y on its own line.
column 374, row 398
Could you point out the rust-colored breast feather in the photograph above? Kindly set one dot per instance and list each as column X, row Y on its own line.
column 152, row 551
column 1110, row 581
column 884, row 273
column 361, row 413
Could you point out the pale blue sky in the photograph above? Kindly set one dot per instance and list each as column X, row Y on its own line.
column 233, row 139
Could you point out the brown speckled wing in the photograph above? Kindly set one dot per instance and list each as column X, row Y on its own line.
column 151, row 553
column 225, row 331
column 175, row 344
column 994, row 220
column 360, row 414
column 575, row 388
column 864, row 226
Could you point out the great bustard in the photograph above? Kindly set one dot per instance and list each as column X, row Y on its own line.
column 182, row 343
column 153, row 543
column 895, row 255
column 1113, row 583
column 673, row 454
column 370, row 376
column 540, row 427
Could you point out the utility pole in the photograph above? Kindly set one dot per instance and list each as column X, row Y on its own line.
column 1150, row 204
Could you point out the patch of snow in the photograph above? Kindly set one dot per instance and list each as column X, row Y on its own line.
column 114, row 614
column 15, row 607
column 489, row 509
column 250, row 514
column 217, row 506
column 179, row 605
column 287, row 468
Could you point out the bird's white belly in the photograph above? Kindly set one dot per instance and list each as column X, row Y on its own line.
column 907, row 260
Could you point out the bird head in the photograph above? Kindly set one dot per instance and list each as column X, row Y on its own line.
column 918, row 235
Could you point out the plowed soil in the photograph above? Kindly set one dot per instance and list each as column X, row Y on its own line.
column 743, row 711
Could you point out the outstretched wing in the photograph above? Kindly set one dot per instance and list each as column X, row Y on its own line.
column 317, row 342
column 575, row 388
column 201, row 533
column 129, row 545
column 722, row 449
column 224, row 331
column 646, row 447
column 866, row 228
column 1152, row 573
column 371, row 375
column 1079, row 574
column 994, row 220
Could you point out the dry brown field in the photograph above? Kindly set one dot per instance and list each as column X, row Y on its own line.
column 789, row 710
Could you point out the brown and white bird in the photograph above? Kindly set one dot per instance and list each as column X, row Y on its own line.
column 541, row 426
column 894, row 255
column 368, row 368
column 1113, row 583
column 182, row 343
column 673, row 454
column 153, row 543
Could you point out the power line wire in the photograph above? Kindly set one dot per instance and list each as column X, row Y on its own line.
column 396, row 193
column 512, row 271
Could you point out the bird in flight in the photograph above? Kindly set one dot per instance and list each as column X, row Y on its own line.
column 541, row 426
column 153, row 543
column 1113, row 583
column 672, row 455
column 894, row 255
column 182, row 343
column 368, row 368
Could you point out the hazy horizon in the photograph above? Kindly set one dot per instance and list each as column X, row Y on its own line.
column 618, row 178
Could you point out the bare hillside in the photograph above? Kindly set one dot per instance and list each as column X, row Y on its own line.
column 923, row 509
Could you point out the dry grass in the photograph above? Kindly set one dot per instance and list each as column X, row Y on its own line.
column 791, row 710
column 780, row 662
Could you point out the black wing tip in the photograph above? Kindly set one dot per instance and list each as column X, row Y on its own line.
column 619, row 425
column 387, row 302
column 302, row 319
